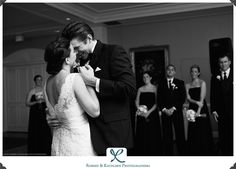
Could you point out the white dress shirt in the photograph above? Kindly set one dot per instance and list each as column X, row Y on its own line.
column 171, row 81
column 227, row 73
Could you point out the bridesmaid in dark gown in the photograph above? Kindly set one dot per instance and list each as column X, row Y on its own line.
column 200, row 140
column 39, row 134
column 148, row 132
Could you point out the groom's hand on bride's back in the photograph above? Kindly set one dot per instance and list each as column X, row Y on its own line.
column 53, row 122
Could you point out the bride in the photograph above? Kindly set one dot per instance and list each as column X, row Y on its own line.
column 68, row 98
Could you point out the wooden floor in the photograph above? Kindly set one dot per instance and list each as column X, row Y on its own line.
column 14, row 144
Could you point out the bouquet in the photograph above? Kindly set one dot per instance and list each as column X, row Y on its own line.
column 191, row 115
column 39, row 95
column 141, row 109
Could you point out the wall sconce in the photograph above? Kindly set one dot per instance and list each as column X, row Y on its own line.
column 19, row 38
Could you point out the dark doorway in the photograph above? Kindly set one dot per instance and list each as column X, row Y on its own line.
column 217, row 48
column 153, row 59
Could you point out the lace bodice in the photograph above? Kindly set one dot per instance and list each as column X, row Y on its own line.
column 73, row 135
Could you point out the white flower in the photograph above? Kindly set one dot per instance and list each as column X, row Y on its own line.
column 191, row 115
column 218, row 77
column 141, row 109
column 39, row 95
column 174, row 86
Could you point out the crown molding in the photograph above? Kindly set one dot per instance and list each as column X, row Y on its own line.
column 155, row 10
column 177, row 16
column 152, row 9
column 77, row 10
column 128, row 15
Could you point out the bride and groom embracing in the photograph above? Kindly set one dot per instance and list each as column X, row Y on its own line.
column 88, row 111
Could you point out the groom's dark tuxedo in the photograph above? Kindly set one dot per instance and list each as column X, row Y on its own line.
column 117, row 86
column 222, row 103
column 168, row 97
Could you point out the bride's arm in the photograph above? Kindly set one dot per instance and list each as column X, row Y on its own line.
column 86, row 97
column 92, row 93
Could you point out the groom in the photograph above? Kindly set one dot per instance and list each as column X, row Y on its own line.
column 114, row 82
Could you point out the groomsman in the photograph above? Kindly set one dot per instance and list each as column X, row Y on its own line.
column 222, row 104
column 171, row 99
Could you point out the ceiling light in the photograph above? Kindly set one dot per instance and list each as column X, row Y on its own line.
column 68, row 19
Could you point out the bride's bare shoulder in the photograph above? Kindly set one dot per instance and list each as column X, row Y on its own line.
column 76, row 75
column 77, row 78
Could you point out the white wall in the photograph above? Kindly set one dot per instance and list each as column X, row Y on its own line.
column 187, row 37
column 19, row 70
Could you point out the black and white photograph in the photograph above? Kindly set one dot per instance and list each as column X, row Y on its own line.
column 145, row 84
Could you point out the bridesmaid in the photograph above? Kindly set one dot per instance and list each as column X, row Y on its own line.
column 39, row 134
column 148, row 133
column 200, row 141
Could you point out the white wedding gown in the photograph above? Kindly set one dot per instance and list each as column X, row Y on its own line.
column 72, row 138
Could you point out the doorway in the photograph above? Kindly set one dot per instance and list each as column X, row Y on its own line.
column 153, row 59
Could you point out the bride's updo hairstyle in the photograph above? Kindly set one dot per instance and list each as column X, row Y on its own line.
column 55, row 54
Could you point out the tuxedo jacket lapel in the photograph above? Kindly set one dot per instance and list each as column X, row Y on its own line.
column 92, row 62
column 230, row 75
column 225, row 85
column 171, row 87
column 95, row 58
column 167, row 85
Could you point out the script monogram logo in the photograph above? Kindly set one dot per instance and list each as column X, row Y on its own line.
column 116, row 154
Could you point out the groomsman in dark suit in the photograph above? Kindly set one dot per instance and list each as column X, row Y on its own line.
column 115, row 85
column 171, row 99
column 222, row 104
